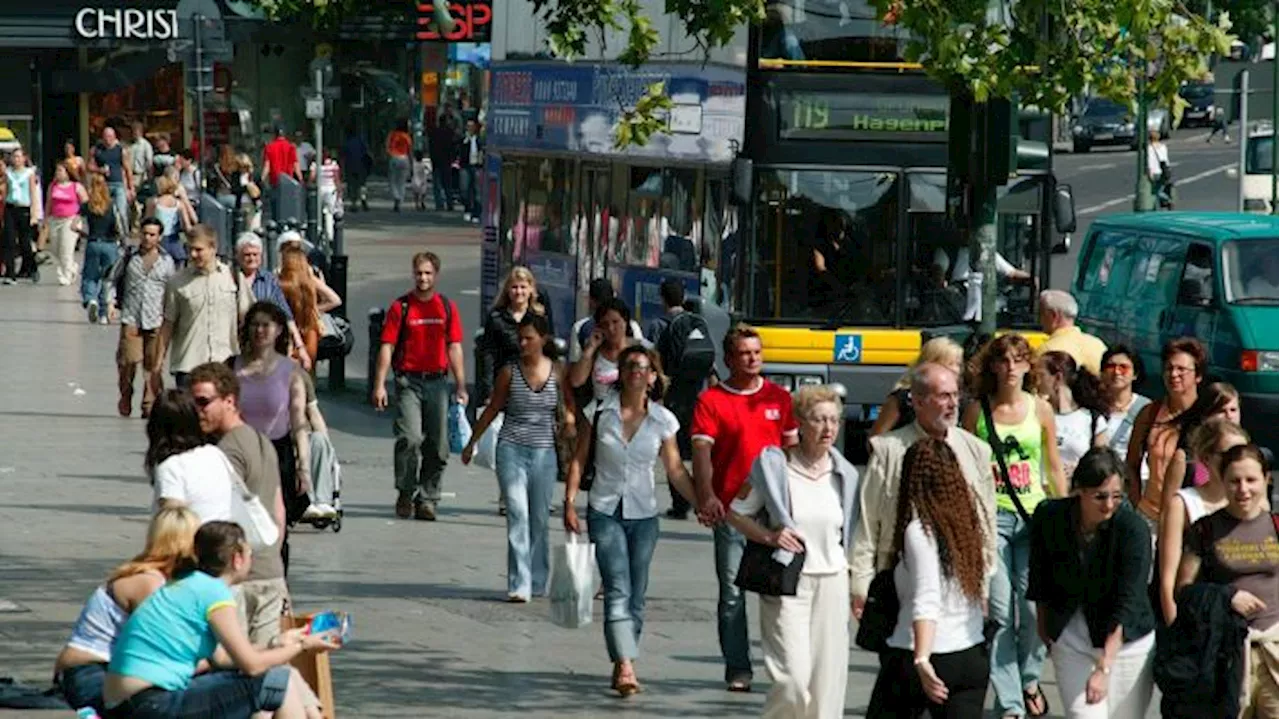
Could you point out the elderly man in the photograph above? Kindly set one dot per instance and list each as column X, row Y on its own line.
column 935, row 395
column 265, row 287
column 1058, row 311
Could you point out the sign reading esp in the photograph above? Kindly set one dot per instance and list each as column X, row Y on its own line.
column 473, row 22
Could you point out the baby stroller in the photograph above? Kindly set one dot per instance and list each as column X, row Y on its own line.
column 326, row 490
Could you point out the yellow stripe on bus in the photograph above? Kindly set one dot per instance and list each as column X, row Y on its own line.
column 899, row 66
column 802, row 345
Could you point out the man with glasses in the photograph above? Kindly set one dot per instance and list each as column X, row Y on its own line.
column 140, row 278
column 264, row 597
column 1058, row 311
column 935, row 396
column 203, row 305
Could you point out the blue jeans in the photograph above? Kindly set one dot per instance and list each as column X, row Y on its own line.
column 216, row 695
column 82, row 686
column 624, row 550
column 469, row 179
column 440, row 186
column 99, row 256
column 1017, row 655
column 120, row 200
column 526, row 476
column 731, row 608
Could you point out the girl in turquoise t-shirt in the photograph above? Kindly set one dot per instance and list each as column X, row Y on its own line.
column 153, row 661
column 1027, row 441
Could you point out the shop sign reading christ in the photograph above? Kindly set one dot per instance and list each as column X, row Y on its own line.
column 126, row 24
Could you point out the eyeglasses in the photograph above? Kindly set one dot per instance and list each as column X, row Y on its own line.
column 1179, row 369
column 1117, row 368
column 1104, row 497
column 637, row 367
column 203, row 402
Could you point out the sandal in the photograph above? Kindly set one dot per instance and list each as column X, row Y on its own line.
column 625, row 687
column 1037, row 696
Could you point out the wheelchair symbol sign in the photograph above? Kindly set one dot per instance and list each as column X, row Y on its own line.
column 848, row 348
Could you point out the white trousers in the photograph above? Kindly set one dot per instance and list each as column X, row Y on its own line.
column 1129, row 691
column 62, row 237
column 806, row 648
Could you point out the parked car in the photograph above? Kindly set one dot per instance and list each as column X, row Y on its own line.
column 1144, row 279
column 1103, row 122
column 1200, row 97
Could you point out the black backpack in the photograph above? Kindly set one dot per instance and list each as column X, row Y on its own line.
column 688, row 355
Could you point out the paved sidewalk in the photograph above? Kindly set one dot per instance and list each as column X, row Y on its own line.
column 432, row 637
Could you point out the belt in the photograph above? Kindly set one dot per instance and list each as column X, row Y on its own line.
column 422, row 375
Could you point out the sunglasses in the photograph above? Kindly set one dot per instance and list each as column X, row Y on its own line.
column 637, row 367
column 1120, row 369
column 203, row 402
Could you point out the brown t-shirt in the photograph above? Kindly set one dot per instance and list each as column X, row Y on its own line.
column 254, row 459
column 1243, row 554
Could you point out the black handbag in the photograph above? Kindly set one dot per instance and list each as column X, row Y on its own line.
column 759, row 572
column 588, row 477
column 880, row 613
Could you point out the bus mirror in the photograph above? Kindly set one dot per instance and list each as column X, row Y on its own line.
column 742, row 170
column 1064, row 209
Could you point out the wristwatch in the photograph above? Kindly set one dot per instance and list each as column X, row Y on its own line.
column 1105, row 670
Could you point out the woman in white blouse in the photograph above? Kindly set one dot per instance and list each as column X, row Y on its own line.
column 806, row 499
column 631, row 431
column 937, row 658
column 185, row 468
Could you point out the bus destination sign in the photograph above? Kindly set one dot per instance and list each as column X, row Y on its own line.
column 804, row 115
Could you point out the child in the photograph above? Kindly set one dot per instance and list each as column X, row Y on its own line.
column 421, row 171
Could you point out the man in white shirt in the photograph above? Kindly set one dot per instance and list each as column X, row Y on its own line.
column 471, row 159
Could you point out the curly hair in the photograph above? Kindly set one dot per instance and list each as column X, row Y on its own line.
column 933, row 489
column 980, row 376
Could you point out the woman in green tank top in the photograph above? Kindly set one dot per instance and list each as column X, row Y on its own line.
column 1026, row 438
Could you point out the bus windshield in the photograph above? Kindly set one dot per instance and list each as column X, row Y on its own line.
column 806, row 32
column 1259, row 158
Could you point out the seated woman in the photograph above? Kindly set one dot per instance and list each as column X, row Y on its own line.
column 157, row 652
column 81, row 666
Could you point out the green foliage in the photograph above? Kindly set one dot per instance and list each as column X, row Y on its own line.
column 710, row 23
column 1252, row 20
column 329, row 14
column 1049, row 51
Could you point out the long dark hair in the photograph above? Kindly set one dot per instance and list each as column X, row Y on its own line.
column 277, row 315
column 935, row 491
column 172, row 428
column 1085, row 388
column 613, row 304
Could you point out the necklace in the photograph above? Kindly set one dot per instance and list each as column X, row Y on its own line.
column 818, row 466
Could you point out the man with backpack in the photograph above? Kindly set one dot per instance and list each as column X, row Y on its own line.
column 422, row 342
column 683, row 342
column 139, row 280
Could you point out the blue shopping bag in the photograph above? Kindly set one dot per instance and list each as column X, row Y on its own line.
column 459, row 428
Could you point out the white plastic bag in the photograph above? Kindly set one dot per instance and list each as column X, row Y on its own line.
column 487, row 447
column 572, row 582
column 459, row 428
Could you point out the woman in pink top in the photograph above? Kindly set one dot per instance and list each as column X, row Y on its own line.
column 273, row 399
column 62, row 208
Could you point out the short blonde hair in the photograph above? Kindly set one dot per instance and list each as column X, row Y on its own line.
column 810, row 396
column 165, row 185
column 736, row 334
column 203, row 234
column 939, row 350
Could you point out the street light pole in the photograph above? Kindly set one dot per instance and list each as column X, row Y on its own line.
column 1244, row 138
column 198, row 26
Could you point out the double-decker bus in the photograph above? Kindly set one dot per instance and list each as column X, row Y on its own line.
column 846, row 261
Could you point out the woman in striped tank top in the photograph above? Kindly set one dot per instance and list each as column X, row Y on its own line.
column 526, row 391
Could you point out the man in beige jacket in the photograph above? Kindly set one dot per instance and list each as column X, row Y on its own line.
column 935, row 395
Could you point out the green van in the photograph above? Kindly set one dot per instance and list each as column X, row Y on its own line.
column 1144, row 279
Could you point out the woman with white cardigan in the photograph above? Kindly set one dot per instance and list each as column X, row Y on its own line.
column 805, row 499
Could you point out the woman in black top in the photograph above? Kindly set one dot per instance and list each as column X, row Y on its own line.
column 1090, row 561
column 499, row 345
column 102, row 227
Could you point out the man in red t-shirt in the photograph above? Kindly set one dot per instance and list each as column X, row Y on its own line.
column 732, row 423
column 422, row 342
column 280, row 157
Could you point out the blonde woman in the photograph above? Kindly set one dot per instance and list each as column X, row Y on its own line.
column 174, row 220
column 499, row 345
column 247, row 193
column 62, row 208
column 81, row 667
column 897, row 411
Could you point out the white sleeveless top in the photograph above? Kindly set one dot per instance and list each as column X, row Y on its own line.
column 1194, row 504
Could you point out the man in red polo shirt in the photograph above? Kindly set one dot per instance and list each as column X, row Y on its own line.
column 422, row 341
column 280, row 157
column 732, row 423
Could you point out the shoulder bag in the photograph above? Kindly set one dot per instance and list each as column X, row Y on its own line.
column 880, row 613
column 997, row 450
column 247, row 511
column 588, row 477
column 759, row 572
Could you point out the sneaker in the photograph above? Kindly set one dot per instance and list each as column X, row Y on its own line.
column 466, row 217
column 326, row 510
column 312, row 512
column 93, row 311
column 404, row 505
column 425, row 511
column 8, row 281
column 104, row 319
